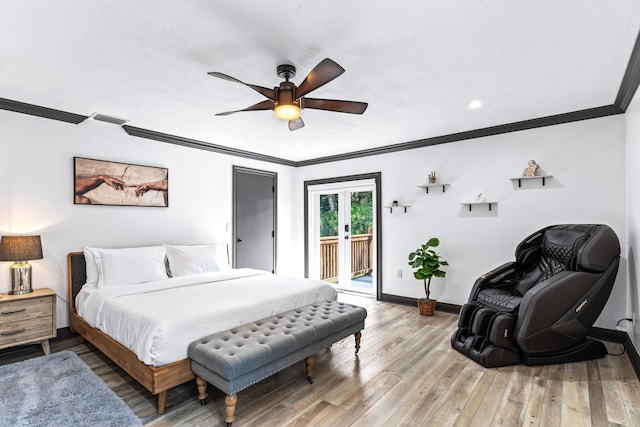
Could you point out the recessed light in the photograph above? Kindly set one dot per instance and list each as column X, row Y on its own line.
column 474, row 105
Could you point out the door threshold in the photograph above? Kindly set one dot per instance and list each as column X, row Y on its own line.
column 356, row 293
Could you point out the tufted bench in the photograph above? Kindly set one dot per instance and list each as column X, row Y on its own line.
column 235, row 359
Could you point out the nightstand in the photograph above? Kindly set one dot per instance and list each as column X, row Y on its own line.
column 28, row 318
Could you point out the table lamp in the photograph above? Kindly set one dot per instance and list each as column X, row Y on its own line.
column 20, row 249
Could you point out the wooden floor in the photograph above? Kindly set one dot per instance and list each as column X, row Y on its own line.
column 406, row 374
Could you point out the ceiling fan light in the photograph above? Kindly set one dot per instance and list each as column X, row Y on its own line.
column 287, row 111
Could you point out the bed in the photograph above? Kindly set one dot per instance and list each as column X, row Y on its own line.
column 165, row 365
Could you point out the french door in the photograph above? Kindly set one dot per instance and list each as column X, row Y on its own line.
column 342, row 218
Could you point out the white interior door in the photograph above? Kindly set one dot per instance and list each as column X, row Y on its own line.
column 342, row 232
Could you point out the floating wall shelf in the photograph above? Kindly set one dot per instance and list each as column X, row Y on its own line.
column 397, row 206
column 426, row 187
column 471, row 204
column 520, row 178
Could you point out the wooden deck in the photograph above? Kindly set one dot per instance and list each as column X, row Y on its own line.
column 361, row 256
column 406, row 374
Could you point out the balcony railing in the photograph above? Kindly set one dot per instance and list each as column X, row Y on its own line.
column 361, row 256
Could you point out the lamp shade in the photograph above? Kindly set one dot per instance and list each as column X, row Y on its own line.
column 20, row 248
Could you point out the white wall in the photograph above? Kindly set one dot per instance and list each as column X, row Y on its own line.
column 633, row 222
column 36, row 195
column 585, row 158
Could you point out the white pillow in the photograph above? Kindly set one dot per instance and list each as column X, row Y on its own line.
column 196, row 259
column 91, row 268
column 130, row 265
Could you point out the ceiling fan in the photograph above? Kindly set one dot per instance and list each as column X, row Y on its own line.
column 287, row 99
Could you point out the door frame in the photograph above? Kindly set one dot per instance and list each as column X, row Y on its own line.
column 234, row 233
column 377, row 177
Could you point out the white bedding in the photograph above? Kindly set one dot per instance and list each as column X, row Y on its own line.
column 157, row 320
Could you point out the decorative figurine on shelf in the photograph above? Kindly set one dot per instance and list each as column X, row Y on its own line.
column 432, row 177
column 480, row 198
column 395, row 203
column 530, row 170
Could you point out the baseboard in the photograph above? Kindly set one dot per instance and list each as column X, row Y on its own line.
column 621, row 338
column 442, row 306
column 64, row 333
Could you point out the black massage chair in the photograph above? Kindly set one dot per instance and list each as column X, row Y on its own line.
column 538, row 309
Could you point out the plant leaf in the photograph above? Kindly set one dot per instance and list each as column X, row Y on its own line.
column 433, row 242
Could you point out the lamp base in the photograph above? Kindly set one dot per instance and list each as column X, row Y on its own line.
column 20, row 278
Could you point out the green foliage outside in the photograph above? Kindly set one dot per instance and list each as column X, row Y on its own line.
column 361, row 213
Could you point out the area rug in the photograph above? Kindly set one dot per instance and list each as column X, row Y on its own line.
column 59, row 390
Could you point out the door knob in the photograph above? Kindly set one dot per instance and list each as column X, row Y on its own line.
column 239, row 240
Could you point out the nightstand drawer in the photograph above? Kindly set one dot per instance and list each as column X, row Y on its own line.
column 13, row 311
column 26, row 330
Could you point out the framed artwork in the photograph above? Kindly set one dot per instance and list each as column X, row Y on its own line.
column 100, row 182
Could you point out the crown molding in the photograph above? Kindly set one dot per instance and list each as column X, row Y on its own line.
column 590, row 113
column 201, row 145
column 37, row 110
column 631, row 79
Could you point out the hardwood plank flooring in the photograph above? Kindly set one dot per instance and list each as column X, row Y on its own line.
column 406, row 374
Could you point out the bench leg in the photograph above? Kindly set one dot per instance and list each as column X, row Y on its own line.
column 309, row 365
column 202, row 390
column 230, row 403
column 358, row 335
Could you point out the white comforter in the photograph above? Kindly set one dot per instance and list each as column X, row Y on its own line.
column 158, row 320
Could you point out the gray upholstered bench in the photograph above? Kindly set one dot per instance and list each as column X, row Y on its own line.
column 235, row 359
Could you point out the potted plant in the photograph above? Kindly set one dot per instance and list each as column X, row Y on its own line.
column 426, row 264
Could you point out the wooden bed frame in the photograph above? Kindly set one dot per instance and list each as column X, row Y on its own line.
column 158, row 380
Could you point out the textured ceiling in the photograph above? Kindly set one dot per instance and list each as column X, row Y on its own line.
column 417, row 63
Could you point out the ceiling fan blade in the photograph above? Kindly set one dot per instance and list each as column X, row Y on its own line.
column 264, row 105
column 322, row 74
column 352, row 107
column 269, row 93
column 296, row 124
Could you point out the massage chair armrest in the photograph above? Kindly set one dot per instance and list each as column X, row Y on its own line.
column 493, row 278
column 553, row 305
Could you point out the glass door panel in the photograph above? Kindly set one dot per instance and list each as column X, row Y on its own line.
column 329, row 249
column 361, row 247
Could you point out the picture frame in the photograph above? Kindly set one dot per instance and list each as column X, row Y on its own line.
column 104, row 182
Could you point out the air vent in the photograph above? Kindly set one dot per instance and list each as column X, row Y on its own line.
column 109, row 119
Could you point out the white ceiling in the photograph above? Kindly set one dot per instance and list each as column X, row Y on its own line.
column 417, row 63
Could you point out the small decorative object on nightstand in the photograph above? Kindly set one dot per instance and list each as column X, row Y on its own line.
column 20, row 249
column 28, row 318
